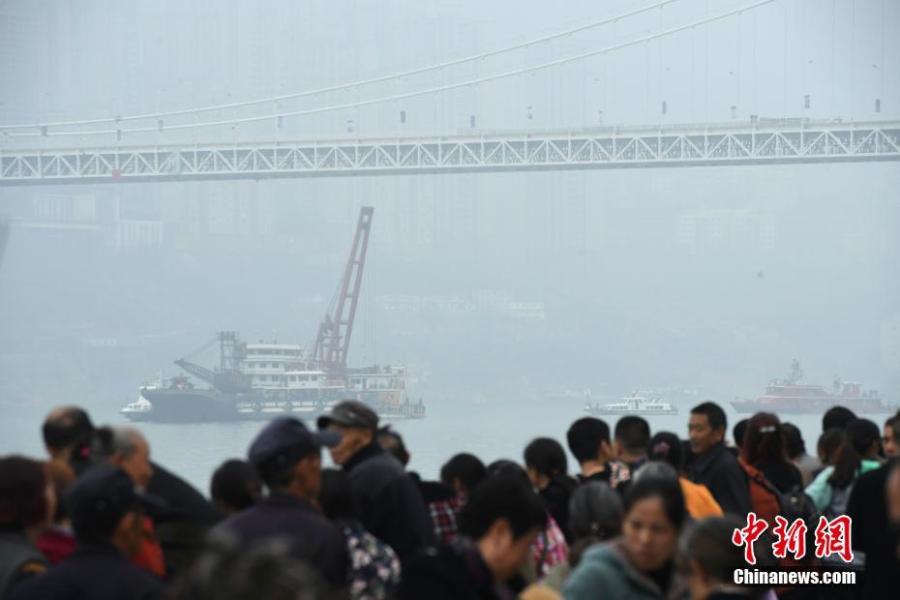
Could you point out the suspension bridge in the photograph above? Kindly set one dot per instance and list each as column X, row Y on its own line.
column 152, row 147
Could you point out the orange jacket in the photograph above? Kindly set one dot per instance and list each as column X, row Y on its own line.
column 698, row 500
column 150, row 555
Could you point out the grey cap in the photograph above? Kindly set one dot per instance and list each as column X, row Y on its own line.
column 350, row 413
column 286, row 438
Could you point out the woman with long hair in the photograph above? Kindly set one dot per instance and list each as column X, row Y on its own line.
column 830, row 490
column 764, row 448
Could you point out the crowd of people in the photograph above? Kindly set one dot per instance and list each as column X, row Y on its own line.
column 642, row 514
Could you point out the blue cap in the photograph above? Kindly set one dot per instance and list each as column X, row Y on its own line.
column 287, row 438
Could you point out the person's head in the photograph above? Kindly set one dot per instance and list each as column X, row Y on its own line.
column 632, row 434
column 828, row 443
column 862, row 442
column 67, row 433
column 27, row 499
column 104, row 506
column 706, row 427
column 355, row 423
column 235, row 486
column 503, row 516
column 793, row 441
column 463, row 472
column 229, row 570
column 544, row 460
column 654, row 516
column 126, row 448
column 588, row 440
column 666, row 447
column 504, row 466
column 392, row 442
column 709, row 558
column 837, row 417
column 595, row 515
column 336, row 498
column 891, row 440
column 288, row 457
column 763, row 440
column 739, row 431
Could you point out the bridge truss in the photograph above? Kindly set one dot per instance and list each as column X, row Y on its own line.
column 783, row 142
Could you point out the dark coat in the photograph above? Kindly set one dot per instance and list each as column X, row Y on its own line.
column 391, row 506
column 311, row 536
column 785, row 476
column 720, row 472
column 449, row 572
column 19, row 560
column 182, row 517
column 92, row 572
column 556, row 500
column 872, row 533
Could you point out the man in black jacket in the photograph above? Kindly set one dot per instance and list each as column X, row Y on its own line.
column 288, row 458
column 390, row 503
column 713, row 465
column 105, row 511
column 873, row 533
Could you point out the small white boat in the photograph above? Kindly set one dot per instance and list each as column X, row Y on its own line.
column 633, row 404
column 135, row 410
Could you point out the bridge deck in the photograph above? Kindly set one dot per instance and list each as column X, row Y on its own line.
column 743, row 144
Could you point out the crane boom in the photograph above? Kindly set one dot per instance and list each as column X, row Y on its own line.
column 333, row 339
column 198, row 371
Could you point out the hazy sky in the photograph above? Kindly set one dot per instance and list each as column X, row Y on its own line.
column 710, row 277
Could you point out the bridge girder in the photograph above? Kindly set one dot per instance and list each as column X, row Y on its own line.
column 589, row 149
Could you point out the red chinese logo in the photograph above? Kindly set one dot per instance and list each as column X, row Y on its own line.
column 831, row 537
column 746, row 536
column 789, row 538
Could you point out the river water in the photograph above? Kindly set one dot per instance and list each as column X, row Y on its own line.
column 490, row 428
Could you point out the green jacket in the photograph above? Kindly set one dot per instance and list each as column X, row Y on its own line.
column 605, row 572
column 824, row 496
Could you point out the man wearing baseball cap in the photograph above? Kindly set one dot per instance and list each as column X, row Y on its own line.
column 287, row 456
column 390, row 503
column 105, row 509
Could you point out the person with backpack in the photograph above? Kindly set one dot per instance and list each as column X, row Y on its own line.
column 831, row 489
column 763, row 449
column 774, row 482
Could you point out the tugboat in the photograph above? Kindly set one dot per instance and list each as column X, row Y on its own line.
column 634, row 404
column 791, row 396
column 268, row 379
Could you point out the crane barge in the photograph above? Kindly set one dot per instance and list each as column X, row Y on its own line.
column 258, row 381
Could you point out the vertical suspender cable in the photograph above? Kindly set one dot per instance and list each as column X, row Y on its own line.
column 834, row 111
column 784, row 89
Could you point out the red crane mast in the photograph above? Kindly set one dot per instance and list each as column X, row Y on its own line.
column 333, row 339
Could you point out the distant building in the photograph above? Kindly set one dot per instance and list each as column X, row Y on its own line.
column 725, row 229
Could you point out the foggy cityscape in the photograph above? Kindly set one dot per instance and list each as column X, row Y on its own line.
column 513, row 294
